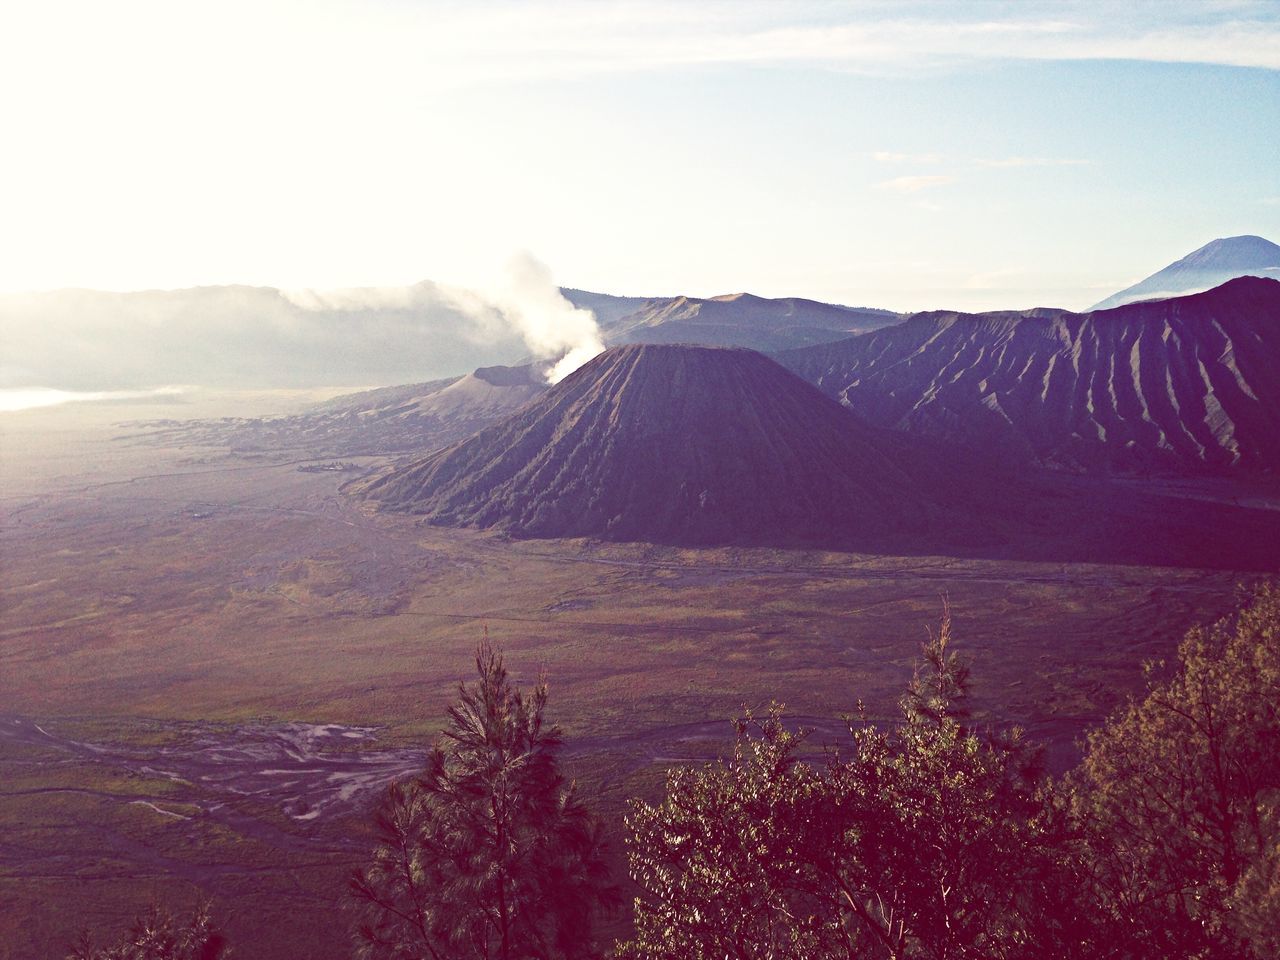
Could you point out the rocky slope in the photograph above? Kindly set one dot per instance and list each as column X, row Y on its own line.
column 718, row 446
column 683, row 444
column 1191, row 383
column 1213, row 264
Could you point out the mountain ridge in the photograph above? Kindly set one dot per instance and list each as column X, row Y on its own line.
column 1170, row 385
column 711, row 446
column 744, row 320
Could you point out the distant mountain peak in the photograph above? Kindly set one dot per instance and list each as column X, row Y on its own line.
column 1209, row 266
column 1233, row 253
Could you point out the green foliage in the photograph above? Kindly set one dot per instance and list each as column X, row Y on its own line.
column 489, row 853
column 1179, row 793
column 726, row 861
column 157, row 935
column 927, row 841
column 939, row 688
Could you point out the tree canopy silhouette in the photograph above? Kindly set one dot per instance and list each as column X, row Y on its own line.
column 926, row 840
column 158, row 935
column 489, row 853
column 1179, row 796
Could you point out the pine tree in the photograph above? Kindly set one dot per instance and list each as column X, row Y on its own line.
column 1180, row 794
column 926, row 840
column 158, row 935
column 489, row 853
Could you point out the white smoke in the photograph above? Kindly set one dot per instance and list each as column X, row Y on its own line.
column 526, row 300
column 549, row 324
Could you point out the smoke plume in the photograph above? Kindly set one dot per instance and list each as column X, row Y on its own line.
column 550, row 325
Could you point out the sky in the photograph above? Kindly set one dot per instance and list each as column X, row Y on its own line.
column 905, row 155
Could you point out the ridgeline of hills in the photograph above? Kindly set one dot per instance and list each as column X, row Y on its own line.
column 1161, row 386
column 423, row 416
column 261, row 337
column 243, row 336
column 1184, row 386
column 932, row 433
column 734, row 320
column 704, row 446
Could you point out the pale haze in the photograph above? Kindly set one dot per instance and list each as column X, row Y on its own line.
column 905, row 156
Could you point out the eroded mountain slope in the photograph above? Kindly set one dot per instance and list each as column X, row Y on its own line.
column 1190, row 383
column 684, row 444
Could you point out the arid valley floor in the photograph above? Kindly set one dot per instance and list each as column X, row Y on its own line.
column 209, row 665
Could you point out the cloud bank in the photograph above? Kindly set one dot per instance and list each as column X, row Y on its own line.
column 88, row 341
column 915, row 184
column 512, row 41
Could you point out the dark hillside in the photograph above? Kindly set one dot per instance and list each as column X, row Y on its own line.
column 1170, row 386
column 681, row 444
column 718, row 446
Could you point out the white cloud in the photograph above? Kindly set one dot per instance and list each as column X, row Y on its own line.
column 911, row 184
column 437, row 45
column 914, row 184
column 886, row 156
column 513, row 41
column 239, row 336
column 85, row 344
column 1009, row 162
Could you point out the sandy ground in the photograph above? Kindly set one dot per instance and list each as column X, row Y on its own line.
column 210, row 665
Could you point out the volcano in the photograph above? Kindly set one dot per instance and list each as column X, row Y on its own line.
column 720, row 446
column 685, row 445
column 1212, row 265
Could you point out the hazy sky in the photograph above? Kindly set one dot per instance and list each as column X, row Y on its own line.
column 897, row 155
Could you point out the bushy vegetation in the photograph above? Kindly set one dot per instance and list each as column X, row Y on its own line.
column 159, row 935
column 1178, row 798
column 937, row 841
column 927, row 839
column 489, row 853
